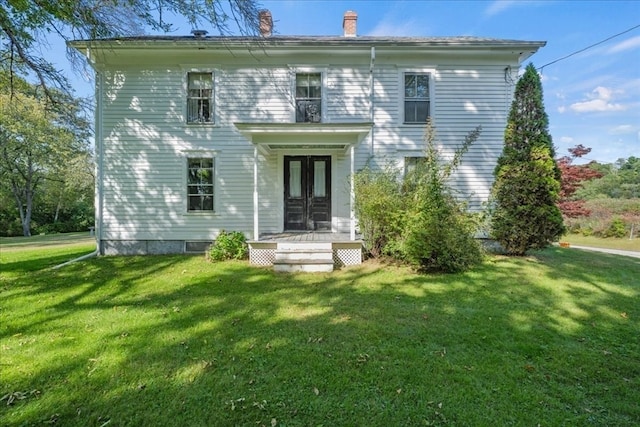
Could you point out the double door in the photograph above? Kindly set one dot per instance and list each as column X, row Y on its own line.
column 307, row 193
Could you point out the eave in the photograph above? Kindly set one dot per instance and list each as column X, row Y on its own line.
column 270, row 137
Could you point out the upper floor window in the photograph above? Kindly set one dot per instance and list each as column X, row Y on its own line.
column 200, row 98
column 200, row 183
column 416, row 97
column 308, row 97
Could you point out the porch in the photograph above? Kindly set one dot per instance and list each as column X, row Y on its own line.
column 310, row 251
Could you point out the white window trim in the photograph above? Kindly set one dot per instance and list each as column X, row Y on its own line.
column 432, row 99
column 191, row 154
column 185, row 95
column 300, row 69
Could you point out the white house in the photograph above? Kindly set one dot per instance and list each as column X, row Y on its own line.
column 199, row 134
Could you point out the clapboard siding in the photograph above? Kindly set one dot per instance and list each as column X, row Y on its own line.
column 145, row 140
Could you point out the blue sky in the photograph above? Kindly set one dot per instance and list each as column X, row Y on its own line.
column 592, row 98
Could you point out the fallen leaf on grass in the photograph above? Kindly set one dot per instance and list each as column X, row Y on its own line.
column 316, row 391
column 623, row 315
column 362, row 358
column 18, row 395
column 274, row 422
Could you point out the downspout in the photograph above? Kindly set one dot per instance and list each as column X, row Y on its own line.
column 82, row 258
column 98, row 199
column 100, row 162
column 372, row 98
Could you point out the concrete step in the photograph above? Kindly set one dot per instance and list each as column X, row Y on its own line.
column 304, row 254
column 303, row 246
column 303, row 265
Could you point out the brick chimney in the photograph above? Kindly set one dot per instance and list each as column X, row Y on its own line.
column 266, row 23
column 349, row 23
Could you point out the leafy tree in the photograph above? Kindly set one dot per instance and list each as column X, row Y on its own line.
column 37, row 144
column 619, row 181
column 25, row 24
column 527, row 179
column 573, row 176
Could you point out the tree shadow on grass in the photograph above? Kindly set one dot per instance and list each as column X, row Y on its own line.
column 175, row 340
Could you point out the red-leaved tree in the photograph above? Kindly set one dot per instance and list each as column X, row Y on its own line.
column 572, row 178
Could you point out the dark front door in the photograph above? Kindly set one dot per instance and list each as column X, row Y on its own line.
column 307, row 193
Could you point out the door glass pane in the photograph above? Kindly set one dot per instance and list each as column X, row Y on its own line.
column 295, row 178
column 319, row 188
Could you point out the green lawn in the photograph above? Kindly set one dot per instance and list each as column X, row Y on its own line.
column 549, row 340
column 610, row 243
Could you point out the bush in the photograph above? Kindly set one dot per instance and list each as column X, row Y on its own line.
column 608, row 218
column 229, row 245
column 378, row 207
column 617, row 228
column 416, row 218
column 438, row 233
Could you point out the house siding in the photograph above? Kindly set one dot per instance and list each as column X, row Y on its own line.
column 145, row 140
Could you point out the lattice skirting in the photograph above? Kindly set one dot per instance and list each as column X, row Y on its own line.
column 347, row 256
column 262, row 256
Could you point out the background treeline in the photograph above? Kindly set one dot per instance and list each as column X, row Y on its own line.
column 598, row 199
column 46, row 164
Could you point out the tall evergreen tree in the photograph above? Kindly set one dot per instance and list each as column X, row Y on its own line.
column 527, row 179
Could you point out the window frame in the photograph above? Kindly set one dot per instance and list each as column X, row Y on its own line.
column 187, row 158
column 295, row 71
column 429, row 72
column 212, row 99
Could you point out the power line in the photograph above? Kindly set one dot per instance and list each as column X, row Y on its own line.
column 589, row 47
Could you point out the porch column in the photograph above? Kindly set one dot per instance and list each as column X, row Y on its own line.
column 352, row 225
column 256, row 232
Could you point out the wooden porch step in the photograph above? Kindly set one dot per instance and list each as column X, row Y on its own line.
column 303, row 265
column 304, row 256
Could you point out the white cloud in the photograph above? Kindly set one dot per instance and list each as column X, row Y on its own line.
column 623, row 130
column 397, row 29
column 629, row 44
column 600, row 99
column 499, row 6
column 566, row 139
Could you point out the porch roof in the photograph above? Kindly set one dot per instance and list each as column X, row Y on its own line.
column 276, row 136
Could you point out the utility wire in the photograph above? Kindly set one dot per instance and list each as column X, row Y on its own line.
column 589, row 47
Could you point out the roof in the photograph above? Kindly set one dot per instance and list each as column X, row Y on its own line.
column 458, row 41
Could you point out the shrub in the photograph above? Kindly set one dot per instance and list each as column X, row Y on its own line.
column 608, row 218
column 229, row 245
column 416, row 218
column 438, row 233
column 379, row 208
column 617, row 228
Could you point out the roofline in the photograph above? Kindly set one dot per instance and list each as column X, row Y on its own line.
column 161, row 42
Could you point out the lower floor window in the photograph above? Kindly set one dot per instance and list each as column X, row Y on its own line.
column 411, row 163
column 200, row 184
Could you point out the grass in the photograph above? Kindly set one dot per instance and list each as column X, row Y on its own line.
column 24, row 254
column 624, row 244
column 550, row 339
